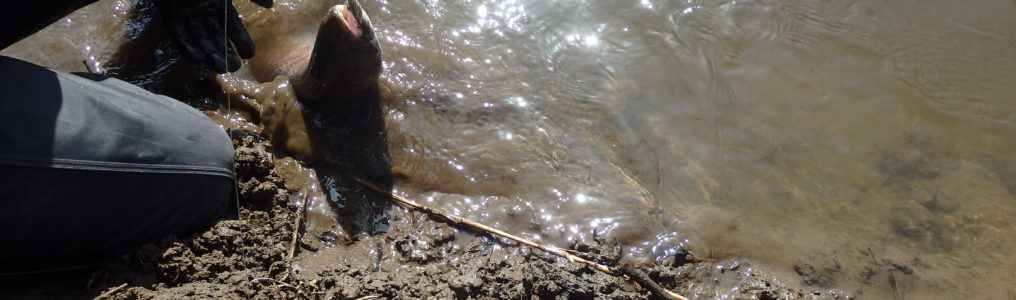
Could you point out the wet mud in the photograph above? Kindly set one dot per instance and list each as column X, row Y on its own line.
column 262, row 254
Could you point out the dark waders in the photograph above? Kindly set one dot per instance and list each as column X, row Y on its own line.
column 90, row 165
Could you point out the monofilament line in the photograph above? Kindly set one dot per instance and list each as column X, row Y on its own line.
column 229, row 104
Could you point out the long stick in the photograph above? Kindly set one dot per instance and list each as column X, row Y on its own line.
column 478, row 226
column 112, row 291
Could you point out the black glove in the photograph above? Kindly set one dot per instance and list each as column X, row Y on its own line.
column 197, row 28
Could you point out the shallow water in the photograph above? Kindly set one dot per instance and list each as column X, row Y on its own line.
column 861, row 145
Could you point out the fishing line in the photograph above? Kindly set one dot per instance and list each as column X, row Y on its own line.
column 229, row 104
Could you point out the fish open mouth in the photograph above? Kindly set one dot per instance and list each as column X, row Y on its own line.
column 350, row 20
column 346, row 58
column 350, row 23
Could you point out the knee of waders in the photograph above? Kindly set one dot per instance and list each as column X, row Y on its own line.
column 92, row 165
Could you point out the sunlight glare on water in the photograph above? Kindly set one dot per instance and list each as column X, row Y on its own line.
column 484, row 126
column 865, row 140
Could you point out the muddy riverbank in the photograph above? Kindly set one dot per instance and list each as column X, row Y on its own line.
column 249, row 257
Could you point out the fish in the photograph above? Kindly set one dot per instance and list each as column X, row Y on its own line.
column 319, row 101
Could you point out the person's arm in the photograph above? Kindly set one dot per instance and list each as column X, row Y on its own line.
column 20, row 19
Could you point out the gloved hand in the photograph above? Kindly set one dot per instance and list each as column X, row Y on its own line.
column 197, row 28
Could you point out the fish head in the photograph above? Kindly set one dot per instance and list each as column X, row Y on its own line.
column 346, row 58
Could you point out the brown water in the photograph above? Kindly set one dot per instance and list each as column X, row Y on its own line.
column 861, row 145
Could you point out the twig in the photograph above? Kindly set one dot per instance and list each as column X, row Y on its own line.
column 299, row 290
column 296, row 234
column 111, row 292
column 643, row 280
column 272, row 280
column 368, row 297
column 481, row 227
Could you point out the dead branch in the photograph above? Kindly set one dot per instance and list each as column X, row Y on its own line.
column 636, row 274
